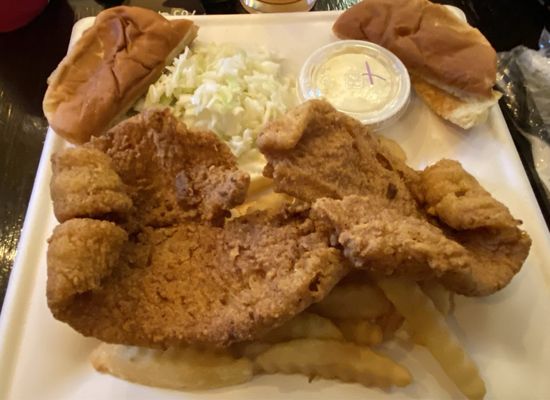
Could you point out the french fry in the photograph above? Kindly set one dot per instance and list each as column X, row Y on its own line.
column 304, row 325
column 333, row 359
column 360, row 331
column 389, row 323
column 250, row 350
column 352, row 301
column 258, row 183
column 392, row 147
column 266, row 200
column 412, row 335
column 175, row 368
column 441, row 297
column 429, row 326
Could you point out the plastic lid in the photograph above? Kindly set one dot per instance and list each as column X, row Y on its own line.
column 277, row 6
column 358, row 78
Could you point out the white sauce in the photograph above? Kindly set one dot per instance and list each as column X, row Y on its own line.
column 356, row 82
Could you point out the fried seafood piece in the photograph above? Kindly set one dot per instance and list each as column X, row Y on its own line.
column 472, row 217
column 81, row 253
column 173, row 173
column 171, row 270
column 383, row 240
column 456, row 198
column 316, row 151
column 389, row 219
column 193, row 283
column 84, row 184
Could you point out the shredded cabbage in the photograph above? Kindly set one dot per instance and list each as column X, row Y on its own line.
column 224, row 89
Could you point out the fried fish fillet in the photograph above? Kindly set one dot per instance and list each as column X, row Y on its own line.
column 316, row 152
column 389, row 219
column 145, row 257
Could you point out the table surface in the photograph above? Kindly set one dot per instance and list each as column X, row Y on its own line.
column 28, row 55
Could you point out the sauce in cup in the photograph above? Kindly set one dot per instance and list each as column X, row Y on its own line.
column 359, row 78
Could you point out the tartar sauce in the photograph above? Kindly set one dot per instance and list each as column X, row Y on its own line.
column 356, row 82
column 359, row 78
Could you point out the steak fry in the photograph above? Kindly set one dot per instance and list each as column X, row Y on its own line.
column 388, row 218
column 160, row 266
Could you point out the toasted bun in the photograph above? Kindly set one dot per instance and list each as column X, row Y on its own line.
column 109, row 68
column 464, row 112
column 430, row 39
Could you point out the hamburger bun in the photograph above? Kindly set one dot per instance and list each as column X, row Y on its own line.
column 464, row 112
column 109, row 68
column 452, row 65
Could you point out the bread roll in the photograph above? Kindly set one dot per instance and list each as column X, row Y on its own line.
column 110, row 67
column 464, row 112
column 452, row 65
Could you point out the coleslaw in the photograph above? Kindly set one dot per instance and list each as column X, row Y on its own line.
column 225, row 89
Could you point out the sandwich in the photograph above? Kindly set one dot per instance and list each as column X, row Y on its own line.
column 109, row 68
column 452, row 65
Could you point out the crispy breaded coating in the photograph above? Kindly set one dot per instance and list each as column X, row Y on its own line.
column 82, row 252
column 388, row 218
column 84, row 184
column 201, row 284
column 484, row 226
column 173, row 173
column 171, row 270
column 385, row 241
column 457, row 199
column 315, row 151
column 379, row 237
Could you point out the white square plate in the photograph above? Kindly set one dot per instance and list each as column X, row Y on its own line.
column 507, row 334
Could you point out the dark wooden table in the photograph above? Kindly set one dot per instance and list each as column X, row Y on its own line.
column 28, row 55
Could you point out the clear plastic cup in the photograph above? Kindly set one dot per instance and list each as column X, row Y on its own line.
column 277, row 6
column 359, row 78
